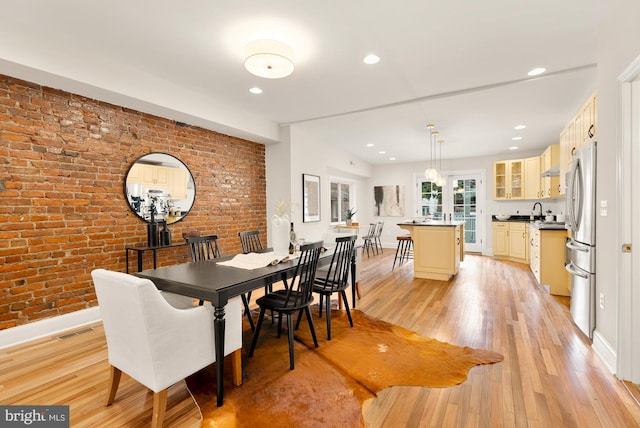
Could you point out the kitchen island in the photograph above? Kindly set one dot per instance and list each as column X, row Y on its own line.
column 438, row 248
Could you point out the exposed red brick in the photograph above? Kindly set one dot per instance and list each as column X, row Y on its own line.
column 64, row 161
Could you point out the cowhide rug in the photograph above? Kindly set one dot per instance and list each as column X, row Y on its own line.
column 329, row 383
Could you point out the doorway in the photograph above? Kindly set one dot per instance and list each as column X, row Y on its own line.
column 459, row 199
column 628, row 363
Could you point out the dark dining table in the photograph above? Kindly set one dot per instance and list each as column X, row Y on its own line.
column 215, row 283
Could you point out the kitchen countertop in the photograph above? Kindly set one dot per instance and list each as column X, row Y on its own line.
column 431, row 223
column 537, row 223
column 548, row 225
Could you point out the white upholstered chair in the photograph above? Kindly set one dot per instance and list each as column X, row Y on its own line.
column 160, row 338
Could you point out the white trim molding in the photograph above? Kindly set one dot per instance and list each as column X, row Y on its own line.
column 47, row 327
column 605, row 351
column 628, row 160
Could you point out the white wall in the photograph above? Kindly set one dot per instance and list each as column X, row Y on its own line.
column 619, row 45
column 278, row 171
column 306, row 154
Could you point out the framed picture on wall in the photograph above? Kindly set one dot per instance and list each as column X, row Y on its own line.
column 310, row 198
column 388, row 201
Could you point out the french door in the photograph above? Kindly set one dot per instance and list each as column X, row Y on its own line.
column 460, row 199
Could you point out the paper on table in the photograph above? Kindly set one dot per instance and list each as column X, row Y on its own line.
column 252, row 261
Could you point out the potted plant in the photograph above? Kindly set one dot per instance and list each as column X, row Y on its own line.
column 350, row 213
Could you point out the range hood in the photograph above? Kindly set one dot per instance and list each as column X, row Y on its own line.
column 554, row 171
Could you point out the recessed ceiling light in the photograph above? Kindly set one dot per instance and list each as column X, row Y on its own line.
column 382, row 152
column 516, row 138
column 537, row 71
column 371, row 59
column 514, row 148
column 519, row 127
column 370, row 144
column 255, row 90
column 392, row 158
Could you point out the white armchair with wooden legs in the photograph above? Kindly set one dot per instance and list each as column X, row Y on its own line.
column 160, row 338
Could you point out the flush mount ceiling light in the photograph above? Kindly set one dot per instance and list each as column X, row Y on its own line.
column 269, row 59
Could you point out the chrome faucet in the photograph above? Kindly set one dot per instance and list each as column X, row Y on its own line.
column 534, row 208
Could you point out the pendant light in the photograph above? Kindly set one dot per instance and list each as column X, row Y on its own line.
column 431, row 173
column 440, row 181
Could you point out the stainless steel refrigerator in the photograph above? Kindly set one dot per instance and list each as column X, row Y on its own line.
column 581, row 247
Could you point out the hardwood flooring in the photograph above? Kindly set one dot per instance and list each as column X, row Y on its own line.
column 550, row 376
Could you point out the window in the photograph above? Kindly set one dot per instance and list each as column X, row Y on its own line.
column 430, row 199
column 342, row 198
column 459, row 200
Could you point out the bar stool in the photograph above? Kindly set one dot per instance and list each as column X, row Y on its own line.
column 404, row 251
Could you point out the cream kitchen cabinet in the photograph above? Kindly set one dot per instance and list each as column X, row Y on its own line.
column 510, row 241
column 587, row 122
column 581, row 129
column 546, row 259
column 438, row 248
column 518, row 240
column 565, row 157
column 532, row 179
column 550, row 185
column 156, row 177
column 508, row 179
column 134, row 176
column 178, row 183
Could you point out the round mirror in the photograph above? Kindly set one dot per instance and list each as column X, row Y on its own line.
column 159, row 187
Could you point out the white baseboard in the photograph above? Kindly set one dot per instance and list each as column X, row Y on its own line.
column 47, row 327
column 605, row 351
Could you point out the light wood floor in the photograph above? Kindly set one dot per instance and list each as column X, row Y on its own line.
column 550, row 377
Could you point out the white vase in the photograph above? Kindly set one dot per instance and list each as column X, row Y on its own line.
column 280, row 234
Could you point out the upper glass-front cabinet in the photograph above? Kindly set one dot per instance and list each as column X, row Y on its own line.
column 508, row 179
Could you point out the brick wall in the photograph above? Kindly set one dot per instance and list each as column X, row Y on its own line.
column 63, row 160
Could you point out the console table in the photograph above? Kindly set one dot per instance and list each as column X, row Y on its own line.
column 141, row 250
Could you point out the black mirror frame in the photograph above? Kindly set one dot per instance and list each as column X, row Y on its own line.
column 131, row 206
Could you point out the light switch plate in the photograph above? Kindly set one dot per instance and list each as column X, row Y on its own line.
column 603, row 208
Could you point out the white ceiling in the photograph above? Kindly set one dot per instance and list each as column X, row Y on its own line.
column 460, row 64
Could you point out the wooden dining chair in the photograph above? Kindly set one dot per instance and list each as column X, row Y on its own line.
column 296, row 298
column 251, row 243
column 206, row 248
column 369, row 239
column 335, row 279
column 203, row 247
column 377, row 241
